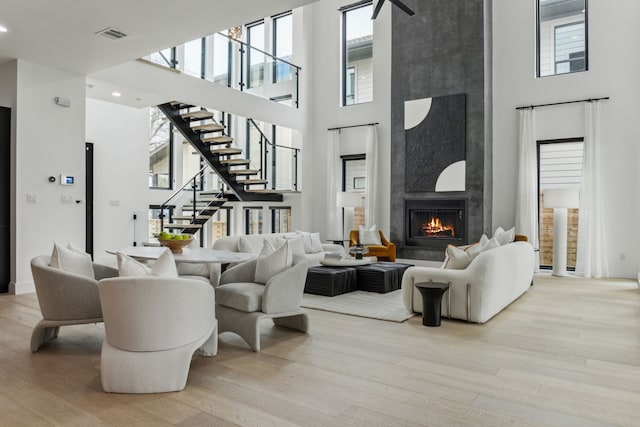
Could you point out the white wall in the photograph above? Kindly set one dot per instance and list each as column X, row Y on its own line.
column 120, row 136
column 326, row 112
column 613, row 71
column 50, row 141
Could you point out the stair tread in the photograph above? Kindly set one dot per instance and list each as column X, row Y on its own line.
column 211, row 199
column 190, row 217
column 210, row 193
column 265, row 190
column 210, row 127
column 222, row 139
column 226, row 151
column 235, row 161
column 252, row 181
column 201, row 114
column 176, row 225
column 243, row 171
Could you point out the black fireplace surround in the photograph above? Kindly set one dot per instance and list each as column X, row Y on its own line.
column 435, row 223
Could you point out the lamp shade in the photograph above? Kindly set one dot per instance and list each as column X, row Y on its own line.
column 562, row 198
column 349, row 199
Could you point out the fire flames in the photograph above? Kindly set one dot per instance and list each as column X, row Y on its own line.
column 434, row 228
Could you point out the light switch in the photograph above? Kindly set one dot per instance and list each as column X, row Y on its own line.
column 32, row 198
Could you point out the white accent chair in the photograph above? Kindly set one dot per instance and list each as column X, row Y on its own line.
column 153, row 327
column 65, row 298
column 241, row 303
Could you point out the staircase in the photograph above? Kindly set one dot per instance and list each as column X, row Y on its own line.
column 241, row 181
column 208, row 137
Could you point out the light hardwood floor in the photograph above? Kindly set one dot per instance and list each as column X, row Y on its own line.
column 567, row 353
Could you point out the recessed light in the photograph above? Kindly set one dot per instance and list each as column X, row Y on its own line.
column 3, row 29
column 116, row 94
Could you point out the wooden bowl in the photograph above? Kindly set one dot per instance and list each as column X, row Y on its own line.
column 175, row 245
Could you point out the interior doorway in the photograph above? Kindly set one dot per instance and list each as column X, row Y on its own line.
column 89, row 198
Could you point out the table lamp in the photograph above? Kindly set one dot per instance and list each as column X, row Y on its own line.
column 348, row 200
column 560, row 199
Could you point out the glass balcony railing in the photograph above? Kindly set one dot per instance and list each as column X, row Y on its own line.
column 228, row 62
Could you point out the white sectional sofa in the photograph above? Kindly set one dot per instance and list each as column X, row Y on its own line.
column 492, row 281
column 255, row 242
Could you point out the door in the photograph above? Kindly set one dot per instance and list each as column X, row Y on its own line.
column 89, row 198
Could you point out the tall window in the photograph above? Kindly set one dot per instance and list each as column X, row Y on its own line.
column 354, row 171
column 221, row 223
column 562, row 37
column 560, row 166
column 160, row 151
column 357, row 53
column 280, row 219
column 282, row 46
column 255, row 58
column 253, row 220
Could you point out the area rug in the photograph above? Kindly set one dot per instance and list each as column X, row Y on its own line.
column 387, row 306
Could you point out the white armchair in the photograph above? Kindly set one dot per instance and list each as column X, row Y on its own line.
column 153, row 327
column 241, row 303
column 65, row 298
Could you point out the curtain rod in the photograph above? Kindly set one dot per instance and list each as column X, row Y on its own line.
column 561, row 103
column 354, row 126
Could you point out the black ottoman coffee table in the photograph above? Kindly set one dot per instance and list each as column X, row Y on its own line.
column 381, row 277
column 330, row 281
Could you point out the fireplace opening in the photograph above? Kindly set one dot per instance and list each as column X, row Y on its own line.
column 435, row 223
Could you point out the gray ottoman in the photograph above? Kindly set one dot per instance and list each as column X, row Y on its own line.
column 381, row 277
column 330, row 281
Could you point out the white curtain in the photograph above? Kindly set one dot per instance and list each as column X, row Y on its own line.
column 527, row 192
column 592, row 248
column 334, row 213
column 372, row 174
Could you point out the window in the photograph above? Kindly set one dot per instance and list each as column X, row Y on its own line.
column 357, row 53
column 562, row 37
column 255, row 58
column 160, row 151
column 282, row 47
column 559, row 166
column 253, row 220
column 221, row 223
column 354, row 171
column 280, row 219
column 155, row 215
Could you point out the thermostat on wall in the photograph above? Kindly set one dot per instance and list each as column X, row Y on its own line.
column 67, row 180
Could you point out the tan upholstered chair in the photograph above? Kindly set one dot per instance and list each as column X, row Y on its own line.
column 241, row 303
column 65, row 298
column 153, row 327
column 385, row 252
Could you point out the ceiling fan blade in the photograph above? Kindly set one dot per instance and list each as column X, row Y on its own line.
column 404, row 7
column 377, row 9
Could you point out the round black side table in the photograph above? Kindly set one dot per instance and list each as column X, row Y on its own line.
column 431, row 300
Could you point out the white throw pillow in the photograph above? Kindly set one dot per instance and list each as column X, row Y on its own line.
column 165, row 266
column 267, row 248
column 505, row 237
column 296, row 247
column 370, row 236
column 457, row 259
column 316, row 243
column 72, row 260
column 245, row 245
column 269, row 265
column 306, row 241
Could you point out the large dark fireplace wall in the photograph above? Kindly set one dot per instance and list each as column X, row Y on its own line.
column 442, row 50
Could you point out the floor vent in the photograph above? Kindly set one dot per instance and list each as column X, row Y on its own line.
column 111, row 33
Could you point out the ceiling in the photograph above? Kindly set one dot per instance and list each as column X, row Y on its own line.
column 61, row 33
